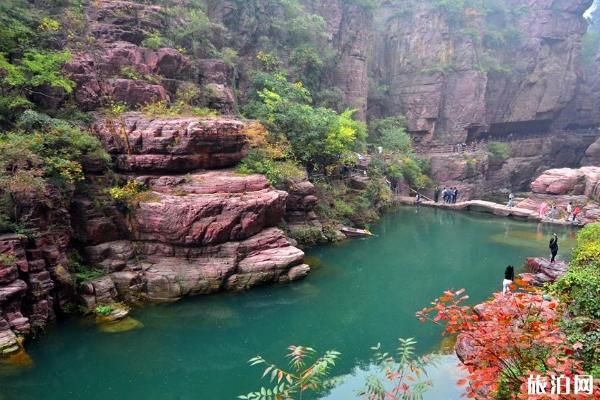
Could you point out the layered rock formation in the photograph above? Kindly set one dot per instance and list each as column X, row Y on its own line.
column 116, row 68
column 542, row 271
column 196, row 231
column 581, row 187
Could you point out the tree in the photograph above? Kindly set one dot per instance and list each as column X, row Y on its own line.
column 391, row 134
column 319, row 137
column 403, row 373
column 42, row 151
column 505, row 340
column 307, row 373
column 578, row 290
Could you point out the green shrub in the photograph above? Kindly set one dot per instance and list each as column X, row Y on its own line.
column 82, row 272
column 129, row 72
column 499, row 149
column 154, row 41
column 104, row 310
column 320, row 138
column 41, row 152
column 391, row 134
column 130, row 195
column 7, row 260
column 277, row 172
column 24, row 75
column 306, row 235
column 578, row 289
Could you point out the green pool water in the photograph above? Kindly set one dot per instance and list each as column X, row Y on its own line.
column 360, row 293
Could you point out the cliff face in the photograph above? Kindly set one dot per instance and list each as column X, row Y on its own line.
column 455, row 78
column 348, row 28
column 510, row 75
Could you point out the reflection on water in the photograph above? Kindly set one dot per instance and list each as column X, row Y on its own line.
column 537, row 240
column 444, row 376
column 362, row 292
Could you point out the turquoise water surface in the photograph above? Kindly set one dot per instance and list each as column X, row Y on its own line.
column 360, row 293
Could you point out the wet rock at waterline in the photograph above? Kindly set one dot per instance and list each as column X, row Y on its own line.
column 542, row 271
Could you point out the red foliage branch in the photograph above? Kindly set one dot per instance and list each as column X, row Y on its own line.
column 503, row 341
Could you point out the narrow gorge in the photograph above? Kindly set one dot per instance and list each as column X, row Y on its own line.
column 220, row 139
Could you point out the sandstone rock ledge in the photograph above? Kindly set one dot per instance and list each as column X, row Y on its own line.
column 560, row 186
column 200, row 233
column 167, row 272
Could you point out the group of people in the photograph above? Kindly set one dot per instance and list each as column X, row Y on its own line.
column 448, row 194
column 509, row 272
column 571, row 211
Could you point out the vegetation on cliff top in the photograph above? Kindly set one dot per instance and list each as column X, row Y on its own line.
column 37, row 152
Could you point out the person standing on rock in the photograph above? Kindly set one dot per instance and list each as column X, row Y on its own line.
column 543, row 208
column 455, row 195
column 576, row 214
column 553, row 211
column 509, row 277
column 436, row 194
column 510, row 200
column 445, row 195
column 569, row 210
column 553, row 247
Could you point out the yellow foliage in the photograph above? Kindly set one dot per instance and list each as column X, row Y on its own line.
column 256, row 134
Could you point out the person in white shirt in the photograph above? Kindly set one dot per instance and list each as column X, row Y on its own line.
column 510, row 200
column 509, row 277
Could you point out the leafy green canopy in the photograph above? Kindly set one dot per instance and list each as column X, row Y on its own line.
column 391, row 134
column 320, row 138
column 41, row 151
column 26, row 63
column 399, row 162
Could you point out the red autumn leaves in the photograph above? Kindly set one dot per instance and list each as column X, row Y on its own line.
column 503, row 341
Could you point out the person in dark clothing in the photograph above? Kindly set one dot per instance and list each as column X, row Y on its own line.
column 436, row 194
column 553, row 247
column 455, row 195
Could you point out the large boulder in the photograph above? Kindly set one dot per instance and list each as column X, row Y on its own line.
column 580, row 187
column 560, row 182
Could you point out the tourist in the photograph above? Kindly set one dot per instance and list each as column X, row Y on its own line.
column 445, row 195
column 509, row 277
column 454, row 195
column 436, row 194
column 543, row 208
column 576, row 213
column 553, row 247
column 510, row 200
column 569, row 210
column 418, row 198
column 553, row 211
